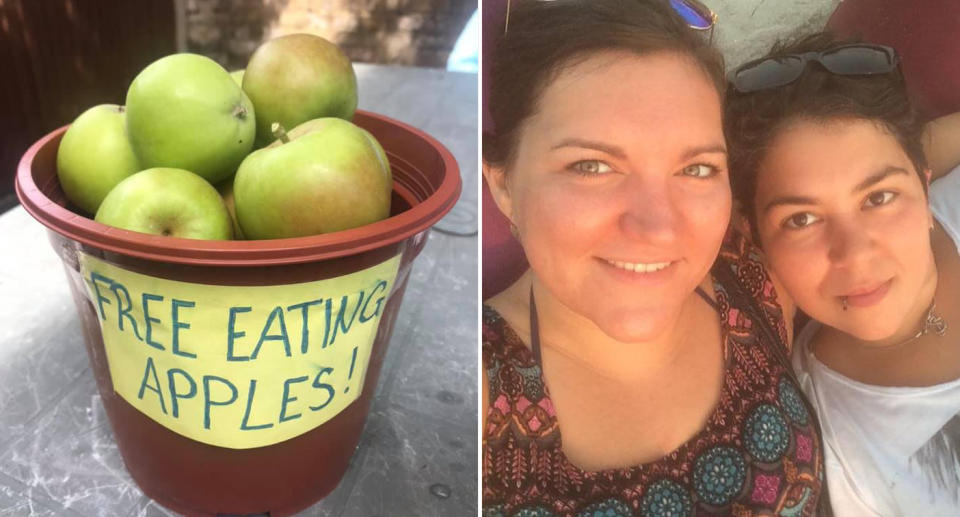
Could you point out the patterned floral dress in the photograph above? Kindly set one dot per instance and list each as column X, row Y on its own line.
column 759, row 453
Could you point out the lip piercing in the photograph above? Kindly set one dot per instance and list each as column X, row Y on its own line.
column 843, row 302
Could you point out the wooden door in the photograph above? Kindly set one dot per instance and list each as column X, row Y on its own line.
column 60, row 57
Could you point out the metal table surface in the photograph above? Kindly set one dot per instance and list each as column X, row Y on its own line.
column 418, row 452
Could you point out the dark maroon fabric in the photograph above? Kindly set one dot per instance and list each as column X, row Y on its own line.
column 493, row 14
column 925, row 33
column 503, row 258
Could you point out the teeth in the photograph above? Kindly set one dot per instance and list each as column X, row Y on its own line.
column 638, row 267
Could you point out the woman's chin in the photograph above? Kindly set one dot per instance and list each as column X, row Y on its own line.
column 868, row 331
column 637, row 327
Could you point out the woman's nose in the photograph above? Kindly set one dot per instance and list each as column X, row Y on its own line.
column 647, row 212
column 850, row 243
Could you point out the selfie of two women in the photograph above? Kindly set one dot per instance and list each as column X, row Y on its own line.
column 720, row 258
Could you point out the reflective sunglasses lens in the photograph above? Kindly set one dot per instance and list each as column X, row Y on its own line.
column 695, row 14
column 769, row 73
column 858, row 61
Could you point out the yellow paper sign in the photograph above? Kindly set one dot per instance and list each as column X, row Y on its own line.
column 238, row 366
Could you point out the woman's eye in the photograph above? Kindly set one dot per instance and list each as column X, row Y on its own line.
column 590, row 167
column 801, row 220
column 880, row 198
column 700, row 170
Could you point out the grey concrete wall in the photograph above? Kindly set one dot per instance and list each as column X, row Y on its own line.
column 747, row 28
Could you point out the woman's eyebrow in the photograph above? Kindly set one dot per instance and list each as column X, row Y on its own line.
column 879, row 176
column 870, row 181
column 619, row 153
column 789, row 200
column 703, row 149
column 612, row 150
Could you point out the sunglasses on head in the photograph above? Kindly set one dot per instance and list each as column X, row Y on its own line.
column 696, row 15
column 774, row 72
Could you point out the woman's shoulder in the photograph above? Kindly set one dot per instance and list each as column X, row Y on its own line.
column 741, row 256
column 745, row 283
column 513, row 382
column 494, row 326
column 501, row 344
column 738, row 244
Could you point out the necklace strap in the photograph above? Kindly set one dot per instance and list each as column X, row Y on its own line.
column 534, row 329
column 706, row 297
column 932, row 324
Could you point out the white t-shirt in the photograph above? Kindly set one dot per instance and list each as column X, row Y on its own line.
column 890, row 451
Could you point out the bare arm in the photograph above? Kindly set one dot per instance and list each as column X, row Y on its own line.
column 941, row 143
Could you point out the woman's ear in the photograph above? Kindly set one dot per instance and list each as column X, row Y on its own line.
column 497, row 181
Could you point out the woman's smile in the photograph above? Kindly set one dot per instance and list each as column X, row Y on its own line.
column 641, row 267
column 646, row 273
column 868, row 295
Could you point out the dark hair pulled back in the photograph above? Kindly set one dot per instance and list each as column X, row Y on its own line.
column 753, row 120
column 543, row 37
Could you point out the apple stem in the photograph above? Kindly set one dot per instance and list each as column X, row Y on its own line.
column 279, row 132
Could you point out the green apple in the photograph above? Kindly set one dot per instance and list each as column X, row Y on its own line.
column 225, row 188
column 237, row 76
column 296, row 78
column 325, row 176
column 315, row 124
column 167, row 201
column 94, row 155
column 382, row 156
column 185, row 111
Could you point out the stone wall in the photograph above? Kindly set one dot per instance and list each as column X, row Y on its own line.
column 746, row 29
column 404, row 32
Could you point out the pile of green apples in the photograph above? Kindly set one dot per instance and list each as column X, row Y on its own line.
column 197, row 152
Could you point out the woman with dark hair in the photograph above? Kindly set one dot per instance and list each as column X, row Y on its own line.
column 828, row 162
column 639, row 367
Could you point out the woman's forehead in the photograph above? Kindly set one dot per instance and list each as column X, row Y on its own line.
column 846, row 138
column 666, row 74
column 616, row 91
column 824, row 155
